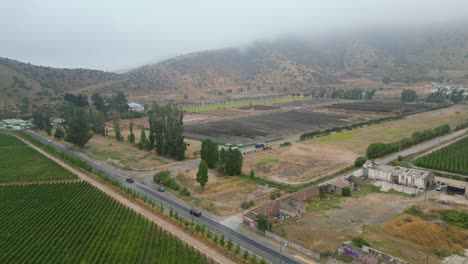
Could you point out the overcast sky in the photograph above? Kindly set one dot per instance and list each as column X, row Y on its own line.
column 119, row 34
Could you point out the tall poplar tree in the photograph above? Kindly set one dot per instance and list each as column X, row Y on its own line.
column 202, row 174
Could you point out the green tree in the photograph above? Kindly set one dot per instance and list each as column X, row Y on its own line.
column 210, row 153
column 24, row 106
column 202, row 174
column 97, row 121
column 263, row 223
column 246, row 255
column 131, row 137
column 253, row 259
column 98, row 102
column 118, row 134
column 118, row 102
column 77, row 130
column 221, row 241
column 252, row 174
column 144, row 143
column 59, row 134
column 230, row 161
column 237, row 250
column 387, row 80
column 408, row 95
column 166, row 131
column 229, row 244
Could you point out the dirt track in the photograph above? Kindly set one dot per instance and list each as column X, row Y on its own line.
column 140, row 209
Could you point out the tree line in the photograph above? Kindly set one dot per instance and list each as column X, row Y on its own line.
column 379, row 149
column 227, row 161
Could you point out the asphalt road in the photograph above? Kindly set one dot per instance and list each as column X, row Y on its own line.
column 245, row 242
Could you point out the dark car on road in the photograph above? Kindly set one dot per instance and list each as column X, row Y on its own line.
column 195, row 212
column 130, row 180
column 162, row 189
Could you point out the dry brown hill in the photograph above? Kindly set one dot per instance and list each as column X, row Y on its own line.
column 287, row 64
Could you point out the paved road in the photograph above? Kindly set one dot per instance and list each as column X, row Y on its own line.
column 260, row 249
column 423, row 146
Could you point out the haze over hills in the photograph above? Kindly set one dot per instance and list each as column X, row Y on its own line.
column 290, row 63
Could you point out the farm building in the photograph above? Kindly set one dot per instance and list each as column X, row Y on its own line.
column 335, row 186
column 398, row 175
column 16, row 124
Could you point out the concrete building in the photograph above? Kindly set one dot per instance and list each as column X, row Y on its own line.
column 399, row 175
column 16, row 124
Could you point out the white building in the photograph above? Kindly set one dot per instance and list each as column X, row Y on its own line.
column 135, row 107
column 399, row 175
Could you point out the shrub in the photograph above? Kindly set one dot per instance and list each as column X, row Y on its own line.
column 459, row 218
column 359, row 242
column 346, row 191
column 185, row 192
column 247, row 204
column 274, row 195
column 442, row 253
column 285, row 144
column 164, row 177
column 360, row 161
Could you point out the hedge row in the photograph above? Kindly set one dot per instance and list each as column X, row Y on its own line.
column 376, row 150
column 328, row 131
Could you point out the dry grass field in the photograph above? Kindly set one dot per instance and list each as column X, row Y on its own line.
column 223, row 194
column 335, row 219
column 357, row 140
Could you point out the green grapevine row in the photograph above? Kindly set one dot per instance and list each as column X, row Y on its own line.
column 452, row 158
column 76, row 223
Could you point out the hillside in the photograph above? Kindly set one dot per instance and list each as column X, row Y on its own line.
column 292, row 63
column 406, row 55
column 43, row 84
column 254, row 68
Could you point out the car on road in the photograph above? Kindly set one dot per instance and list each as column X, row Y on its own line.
column 195, row 212
column 49, row 141
column 130, row 180
column 162, row 189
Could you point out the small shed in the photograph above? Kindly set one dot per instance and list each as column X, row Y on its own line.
column 454, row 189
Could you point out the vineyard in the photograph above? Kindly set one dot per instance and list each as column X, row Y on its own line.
column 77, row 223
column 21, row 163
column 452, row 158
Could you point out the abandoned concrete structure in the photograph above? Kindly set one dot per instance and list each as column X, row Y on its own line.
column 291, row 207
column 399, row 175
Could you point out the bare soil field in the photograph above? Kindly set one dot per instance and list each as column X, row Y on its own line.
column 313, row 159
column 378, row 106
column 251, row 129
